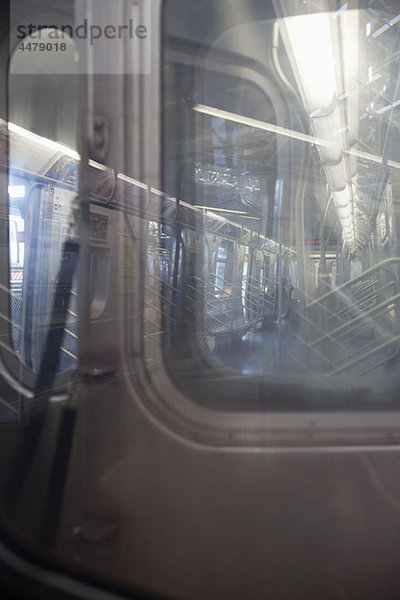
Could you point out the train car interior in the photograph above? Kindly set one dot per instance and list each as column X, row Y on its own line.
column 200, row 299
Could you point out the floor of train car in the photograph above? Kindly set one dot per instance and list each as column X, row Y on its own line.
column 264, row 352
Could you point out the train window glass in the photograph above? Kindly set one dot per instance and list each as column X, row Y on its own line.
column 220, row 282
column 222, row 252
column 43, row 163
column 280, row 132
column 16, row 244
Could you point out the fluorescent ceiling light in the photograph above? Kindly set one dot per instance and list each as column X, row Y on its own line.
column 350, row 47
column 42, row 141
column 97, row 165
column 241, row 119
column 58, row 147
column 238, row 212
column 308, row 39
column 372, row 157
column 156, row 191
column 131, row 180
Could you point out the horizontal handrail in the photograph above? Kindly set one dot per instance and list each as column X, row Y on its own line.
column 218, row 310
column 363, row 289
column 222, row 296
column 213, row 303
column 147, row 318
column 148, row 289
column 357, row 305
column 220, row 278
column 207, row 291
column 357, row 352
column 225, row 324
column 360, row 317
column 252, row 278
column 380, row 265
column 68, row 353
column 396, row 338
column 216, row 287
column 159, row 312
column 160, row 280
column 379, row 363
column 368, row 325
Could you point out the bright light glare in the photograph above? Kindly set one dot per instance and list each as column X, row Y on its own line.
column 343, row 201
column 228, row 210
column 97, row 165
column 351, row 47
column 310, row 40
column 16, row 191
column 42, row 141
column 132, row 181
column 237, row 118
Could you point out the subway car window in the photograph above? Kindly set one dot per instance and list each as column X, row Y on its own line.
column 281, row 135
column 43, row 165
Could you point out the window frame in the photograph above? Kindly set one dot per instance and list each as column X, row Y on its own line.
column 174, row 409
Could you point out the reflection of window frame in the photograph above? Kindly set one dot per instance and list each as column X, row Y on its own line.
column 13, row 361
column 239, row 178
column 251, row 78
column 324, row 422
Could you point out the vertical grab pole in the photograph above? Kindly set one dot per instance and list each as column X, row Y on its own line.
column 85, row 118
column 300, row 248
column 278, row 202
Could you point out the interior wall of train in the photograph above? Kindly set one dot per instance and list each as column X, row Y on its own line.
column 200, row 297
